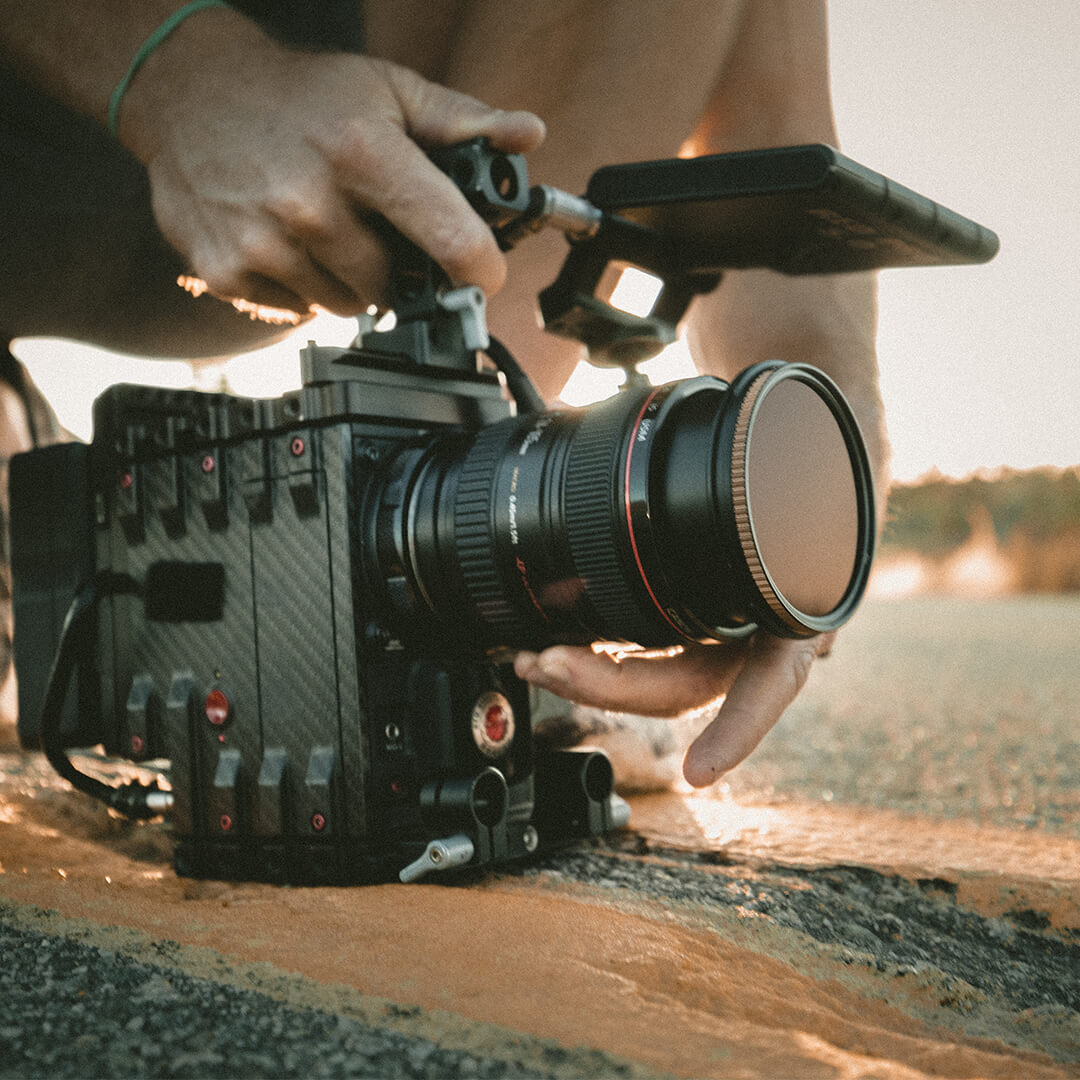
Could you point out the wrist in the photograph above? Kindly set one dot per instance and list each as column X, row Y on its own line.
column 181, row 74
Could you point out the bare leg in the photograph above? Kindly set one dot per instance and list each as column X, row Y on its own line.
column 614, row 82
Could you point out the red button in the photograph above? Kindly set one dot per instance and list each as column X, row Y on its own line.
column 495, row 723
column 217, row 708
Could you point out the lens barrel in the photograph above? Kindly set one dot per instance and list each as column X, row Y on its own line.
column 693, row 511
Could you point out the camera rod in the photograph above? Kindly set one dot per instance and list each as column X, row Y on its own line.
column 446, row 327
column 496, row 185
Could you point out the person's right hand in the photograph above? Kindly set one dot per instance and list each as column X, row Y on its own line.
column 269, row 168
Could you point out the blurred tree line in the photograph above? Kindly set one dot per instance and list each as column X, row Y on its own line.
column 1034, row 515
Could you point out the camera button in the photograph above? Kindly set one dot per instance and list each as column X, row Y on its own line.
column 217, row 707
column 492, row 724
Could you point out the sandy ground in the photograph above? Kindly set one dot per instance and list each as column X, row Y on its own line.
column 889, row 888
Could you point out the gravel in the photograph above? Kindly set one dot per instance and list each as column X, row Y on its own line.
column 73, row 1010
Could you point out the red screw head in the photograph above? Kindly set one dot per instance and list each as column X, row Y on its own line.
column 138, row 744
column 226, row 823
column 208, row 463
column 297, row 446
column 318, row 821
column 126, row 480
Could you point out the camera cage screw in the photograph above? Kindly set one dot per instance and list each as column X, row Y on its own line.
column 530, row 839
column 469, row 305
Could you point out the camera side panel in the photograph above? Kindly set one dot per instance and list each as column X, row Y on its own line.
column 51, row 556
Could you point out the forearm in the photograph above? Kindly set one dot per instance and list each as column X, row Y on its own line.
column 77, row 53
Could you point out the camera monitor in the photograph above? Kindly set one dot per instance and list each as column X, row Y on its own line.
column 796, row 209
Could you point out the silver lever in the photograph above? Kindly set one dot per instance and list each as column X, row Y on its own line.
column 439, row 855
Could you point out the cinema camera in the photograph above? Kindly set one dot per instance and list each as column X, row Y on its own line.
column 304, row 608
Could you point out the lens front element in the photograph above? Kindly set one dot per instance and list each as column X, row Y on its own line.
column 795, row 496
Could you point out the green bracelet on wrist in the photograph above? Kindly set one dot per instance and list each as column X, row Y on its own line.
column 148, row 46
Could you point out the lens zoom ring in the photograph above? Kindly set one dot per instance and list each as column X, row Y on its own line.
column 474, row 533
column 593, row 522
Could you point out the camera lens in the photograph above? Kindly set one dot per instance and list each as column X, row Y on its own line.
column 693, row 511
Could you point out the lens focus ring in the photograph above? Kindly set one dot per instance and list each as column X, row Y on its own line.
column 474, row 532
column 594, row 529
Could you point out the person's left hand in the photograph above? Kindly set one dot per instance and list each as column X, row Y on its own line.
column 757, row 678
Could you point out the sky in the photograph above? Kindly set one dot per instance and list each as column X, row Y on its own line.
column 974, row 103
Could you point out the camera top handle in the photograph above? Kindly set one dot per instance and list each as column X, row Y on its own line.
column 442, row 326
column 796, row 209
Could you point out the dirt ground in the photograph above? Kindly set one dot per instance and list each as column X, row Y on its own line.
column 891, row 888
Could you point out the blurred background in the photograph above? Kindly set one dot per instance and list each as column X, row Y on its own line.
column 975, row 103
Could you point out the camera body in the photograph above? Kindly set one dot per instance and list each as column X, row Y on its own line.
column 309, row 739
column 307, row 605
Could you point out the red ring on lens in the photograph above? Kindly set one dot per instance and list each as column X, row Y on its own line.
column 629, row 510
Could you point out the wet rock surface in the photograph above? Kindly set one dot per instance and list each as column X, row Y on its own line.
column 899, row 927
column 890, row 888
column 74, row 1010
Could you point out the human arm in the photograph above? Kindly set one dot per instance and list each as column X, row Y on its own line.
column 267, row 165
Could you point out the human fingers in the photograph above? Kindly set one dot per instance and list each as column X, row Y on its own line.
column 774, row 672
column 437, row 116
column 288, row 281
column 294, row 247
column 385, row 168
column 666, row 686
column 386, row 172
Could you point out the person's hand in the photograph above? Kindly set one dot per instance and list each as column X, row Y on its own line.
column 758, row 679
column 270, row 170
